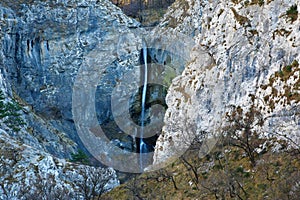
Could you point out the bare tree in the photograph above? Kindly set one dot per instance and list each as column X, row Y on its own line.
column 240, row 131
column 92, row 182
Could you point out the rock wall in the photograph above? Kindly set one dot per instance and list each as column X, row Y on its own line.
column 247, row 55
column 27, row 173
column 28, row 170
column 44, row 45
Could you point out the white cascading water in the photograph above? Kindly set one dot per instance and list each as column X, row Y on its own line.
column 143, row 146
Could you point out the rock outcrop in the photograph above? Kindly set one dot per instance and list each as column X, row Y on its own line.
column 246, row 56
column 29, row 170
column 42, row 47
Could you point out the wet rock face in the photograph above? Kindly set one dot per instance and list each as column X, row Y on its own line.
column 44, row 44
column 248, row 57
column 163, row 66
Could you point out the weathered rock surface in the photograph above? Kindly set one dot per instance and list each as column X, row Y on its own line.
column 43, row 47
column 246, row 55
column 240, row 59
column 27, row 172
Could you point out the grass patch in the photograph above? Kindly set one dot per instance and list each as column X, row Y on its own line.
column 80, row 157
column 235, row 178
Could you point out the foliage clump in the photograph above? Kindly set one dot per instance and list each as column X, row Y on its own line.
column 80, row 157
column 10, row 113
column 292, row 13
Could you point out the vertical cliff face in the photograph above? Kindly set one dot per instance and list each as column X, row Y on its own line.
column 246, row 56
column 29, row 161
column 245, row 59
column 44, row 45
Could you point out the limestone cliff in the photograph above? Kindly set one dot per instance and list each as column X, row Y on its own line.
column 244, row 63
column 246, row 56
column 42, row 46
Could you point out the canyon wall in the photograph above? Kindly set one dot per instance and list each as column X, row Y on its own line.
column 246, row 56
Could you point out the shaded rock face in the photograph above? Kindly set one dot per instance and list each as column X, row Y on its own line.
column 28, row 170
column 43, row 46
column 246, row 55
column 147, row 12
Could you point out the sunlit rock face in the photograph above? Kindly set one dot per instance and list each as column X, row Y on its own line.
column 240, row 58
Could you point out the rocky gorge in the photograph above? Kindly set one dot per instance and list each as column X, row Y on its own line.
column 217, row 68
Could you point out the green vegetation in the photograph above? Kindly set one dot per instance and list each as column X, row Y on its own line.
column 80, row 157
column 169, row 75
column 10, row 113
column 292, row 13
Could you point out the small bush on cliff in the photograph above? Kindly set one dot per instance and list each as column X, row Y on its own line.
column 292, row 13
column 10, row 113
column 80, row 157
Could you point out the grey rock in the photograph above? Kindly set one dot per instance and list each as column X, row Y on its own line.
column 229, row 64
column 43, row 46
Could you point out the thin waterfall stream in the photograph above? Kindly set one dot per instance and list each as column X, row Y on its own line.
column 143, row 145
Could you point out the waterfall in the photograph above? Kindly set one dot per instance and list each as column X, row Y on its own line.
column 143, row 145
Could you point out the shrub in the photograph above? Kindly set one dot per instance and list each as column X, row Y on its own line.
column 80, row 157
column 10, row 113
column 261, row 2
column 292, row 13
